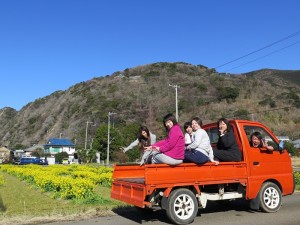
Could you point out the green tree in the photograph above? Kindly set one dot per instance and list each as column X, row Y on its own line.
column 38, row 152
column 228, row 93
column 60, row 156
column 290, row 147
column 100, row 142
column 129, row 134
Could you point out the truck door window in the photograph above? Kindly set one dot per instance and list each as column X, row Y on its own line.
column 266, row 136
column 213, row 134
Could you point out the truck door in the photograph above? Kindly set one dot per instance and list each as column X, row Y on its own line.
column 265, row 164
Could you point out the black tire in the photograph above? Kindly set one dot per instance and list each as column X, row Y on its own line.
column 270, row 197
column 182, row 206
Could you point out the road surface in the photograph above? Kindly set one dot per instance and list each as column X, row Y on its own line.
column 236, row 213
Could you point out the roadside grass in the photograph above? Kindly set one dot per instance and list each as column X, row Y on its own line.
column 20, row 202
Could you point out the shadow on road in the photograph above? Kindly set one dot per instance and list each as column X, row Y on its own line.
column 140, row 215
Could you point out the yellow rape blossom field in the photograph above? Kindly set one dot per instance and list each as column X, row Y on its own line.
column 34, row 193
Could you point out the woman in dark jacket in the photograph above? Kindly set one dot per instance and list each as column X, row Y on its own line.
column 227, row 147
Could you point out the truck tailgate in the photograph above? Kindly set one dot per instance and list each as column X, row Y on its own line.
column 129, row 190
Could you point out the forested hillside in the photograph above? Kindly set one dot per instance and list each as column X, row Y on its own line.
column 143, row 95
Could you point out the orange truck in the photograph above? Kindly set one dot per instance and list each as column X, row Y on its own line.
column 262, row 177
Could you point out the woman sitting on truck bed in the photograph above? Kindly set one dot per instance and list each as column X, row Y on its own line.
column 199, row 150
column 227, row 147
column 171, row 149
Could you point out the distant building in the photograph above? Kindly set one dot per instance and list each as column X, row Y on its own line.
column 57, row 145
column 283, row 138
column 297, row 143
column 280, row 138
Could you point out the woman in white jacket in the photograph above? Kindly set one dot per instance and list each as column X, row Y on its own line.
column 200, row 150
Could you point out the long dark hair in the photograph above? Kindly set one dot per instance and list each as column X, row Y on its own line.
column 226, row 122
column 143, row 141
column 171, row 117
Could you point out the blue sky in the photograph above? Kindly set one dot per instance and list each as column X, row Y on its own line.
column 50, row 45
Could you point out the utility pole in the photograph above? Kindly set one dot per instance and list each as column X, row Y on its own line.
column 91, row 144
column 176, row 87
column 86, row 131
column 108, row 138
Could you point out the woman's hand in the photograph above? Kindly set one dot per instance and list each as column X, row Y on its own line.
column 222, row 131
column 265, row 145
column 149, row 148
column 216, row 162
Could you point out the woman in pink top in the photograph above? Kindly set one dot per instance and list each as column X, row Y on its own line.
column 171, row 149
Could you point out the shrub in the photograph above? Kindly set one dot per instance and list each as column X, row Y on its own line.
column 290, row 147
column 242, row 114
column 60, row 156
column 228, row 93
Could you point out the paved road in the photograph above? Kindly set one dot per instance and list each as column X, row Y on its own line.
column 236, row 213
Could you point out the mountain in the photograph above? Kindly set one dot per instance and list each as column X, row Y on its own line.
column 144, row 94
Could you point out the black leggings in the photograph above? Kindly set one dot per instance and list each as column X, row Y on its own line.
column 227, row 156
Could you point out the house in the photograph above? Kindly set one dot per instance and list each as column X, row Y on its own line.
column 57, row 145
column 280, row 138
column 283, row 138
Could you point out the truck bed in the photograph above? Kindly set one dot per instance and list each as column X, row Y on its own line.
column 132, row 183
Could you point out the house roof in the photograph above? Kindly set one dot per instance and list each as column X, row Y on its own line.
column 59, row 142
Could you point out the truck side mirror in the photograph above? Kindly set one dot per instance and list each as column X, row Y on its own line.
column 281, row 146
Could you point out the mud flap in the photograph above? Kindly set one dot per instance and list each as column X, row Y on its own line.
column 164, row 203
column 254, row 203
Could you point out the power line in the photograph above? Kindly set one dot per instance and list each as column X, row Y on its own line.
column 271, row 53
column 267, row 46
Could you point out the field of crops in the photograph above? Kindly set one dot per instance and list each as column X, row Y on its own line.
column 66, row 182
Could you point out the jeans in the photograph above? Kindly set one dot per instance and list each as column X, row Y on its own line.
column 195, row 157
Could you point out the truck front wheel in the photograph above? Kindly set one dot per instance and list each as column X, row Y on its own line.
column 270, row 197
column 182, row 206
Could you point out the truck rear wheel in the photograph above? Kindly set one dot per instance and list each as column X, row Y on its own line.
column 270, row 197
column 182, row 206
